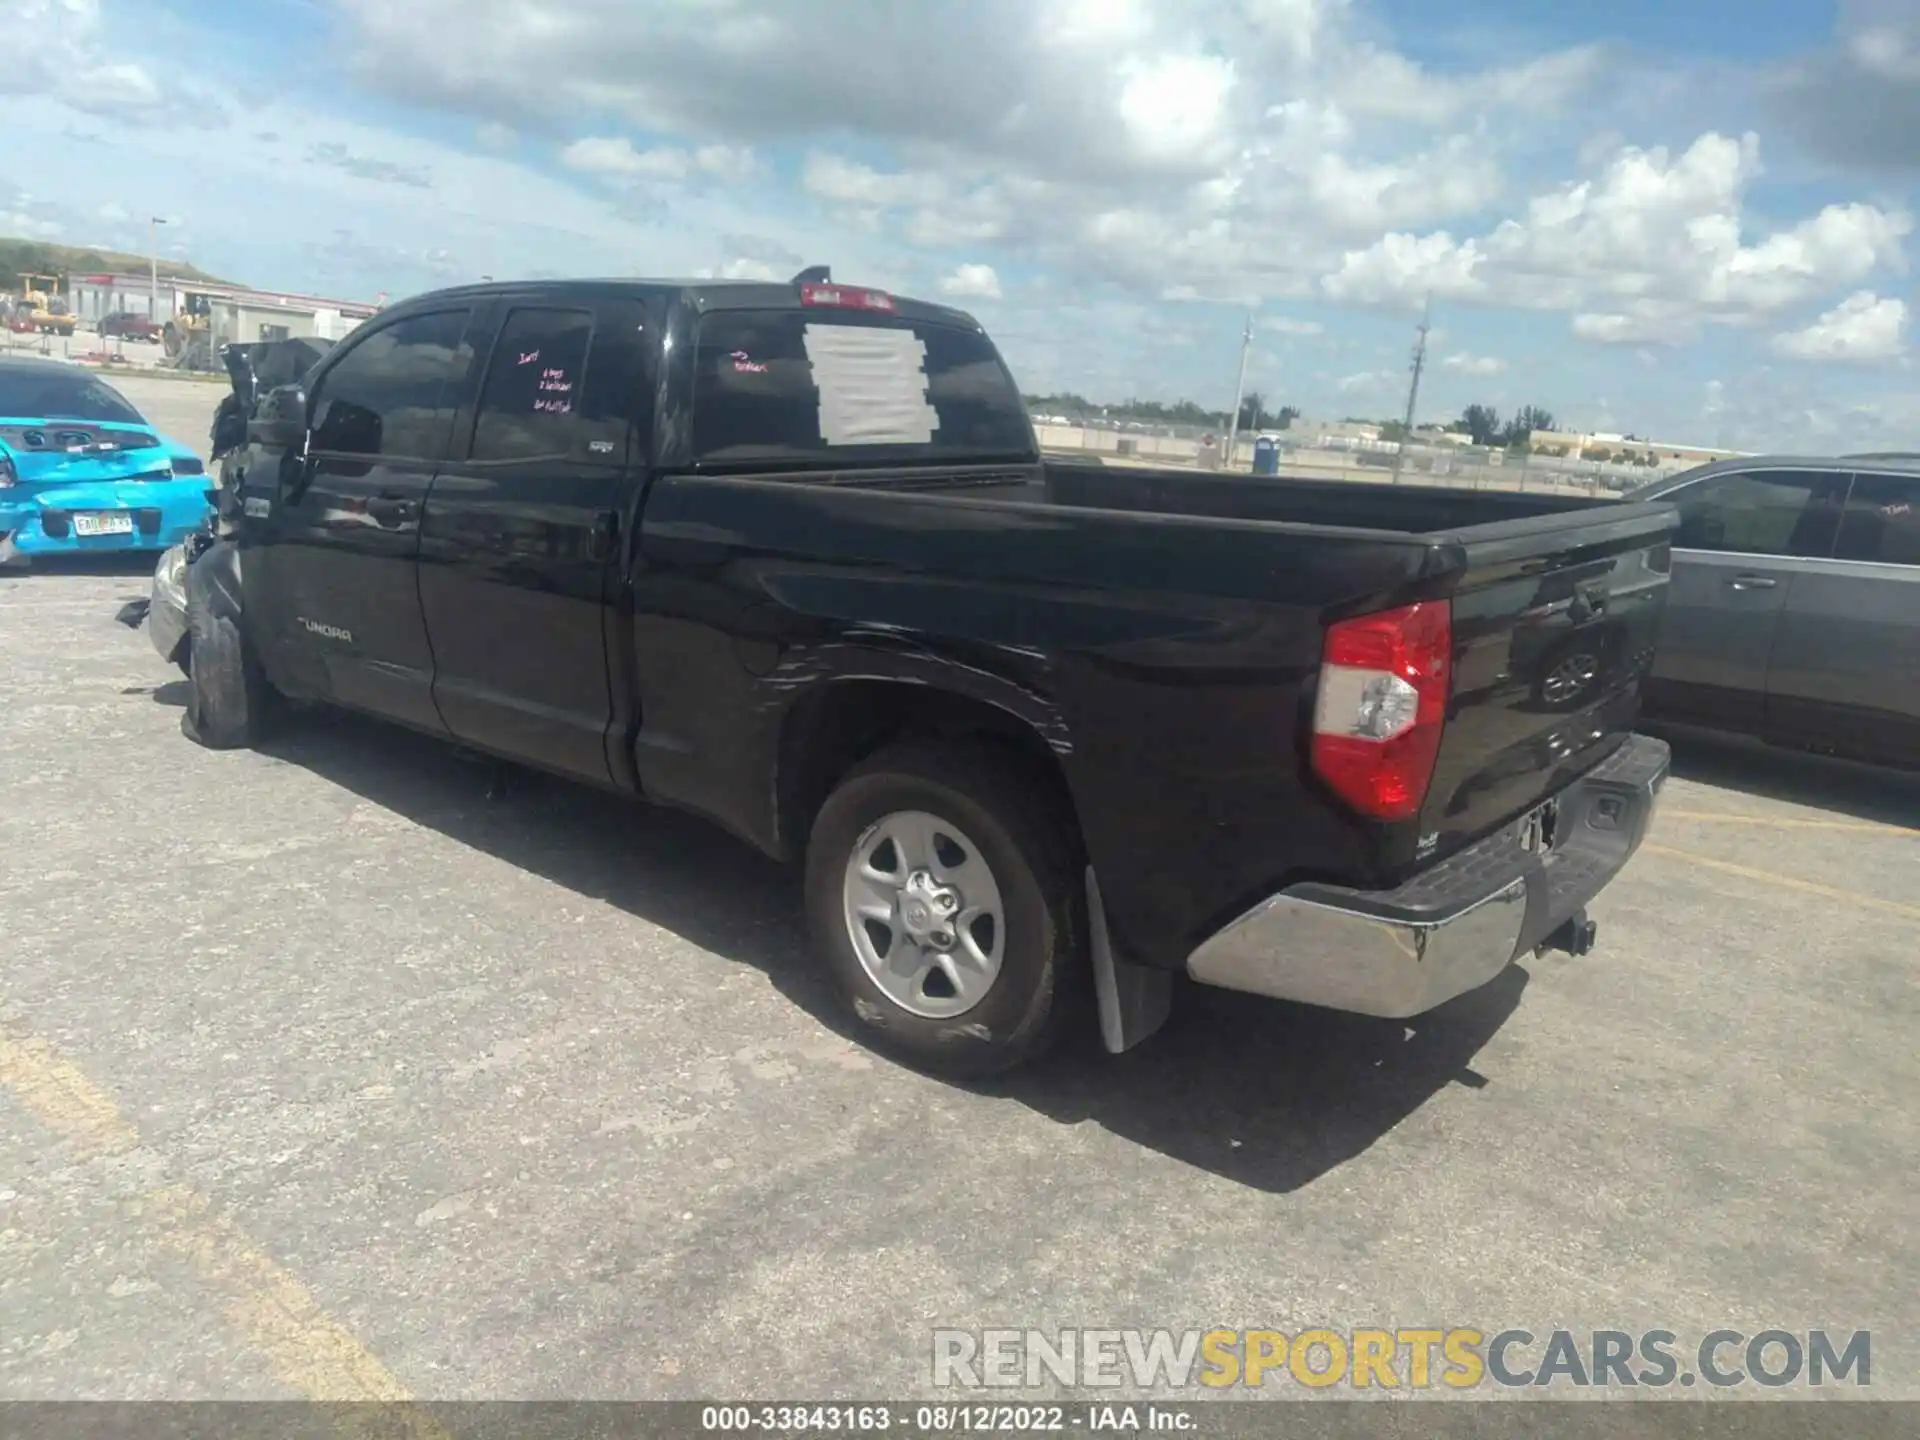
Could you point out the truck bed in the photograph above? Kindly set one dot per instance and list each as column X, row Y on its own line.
column 1176, row 621
column 1371, row 506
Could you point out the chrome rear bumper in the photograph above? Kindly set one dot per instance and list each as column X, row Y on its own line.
column 1452, row 928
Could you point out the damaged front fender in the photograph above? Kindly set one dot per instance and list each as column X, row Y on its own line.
column 213, row 580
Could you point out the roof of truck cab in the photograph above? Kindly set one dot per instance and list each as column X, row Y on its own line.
column 703, row 295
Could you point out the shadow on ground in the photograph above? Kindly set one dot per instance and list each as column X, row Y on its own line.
column 1865, row 792
column 1262, row 1093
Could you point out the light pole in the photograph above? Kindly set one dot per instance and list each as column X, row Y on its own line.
column 1413, row 390
column 154, row 222
column 1239, row 391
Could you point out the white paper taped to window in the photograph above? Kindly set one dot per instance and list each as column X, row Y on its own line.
column 872, row 384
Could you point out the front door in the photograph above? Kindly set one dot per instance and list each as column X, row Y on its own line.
column 522, row 531
column 1742, row 537
column 344, row 609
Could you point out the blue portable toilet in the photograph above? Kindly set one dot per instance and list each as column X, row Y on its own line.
column 1266, row 455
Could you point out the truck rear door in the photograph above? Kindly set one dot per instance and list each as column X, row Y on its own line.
column 1554, row 623
column 521, row 533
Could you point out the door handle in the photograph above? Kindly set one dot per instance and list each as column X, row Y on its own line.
column 1752, row 582
column 391, row 509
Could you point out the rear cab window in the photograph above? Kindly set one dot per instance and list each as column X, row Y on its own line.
column 828, row 386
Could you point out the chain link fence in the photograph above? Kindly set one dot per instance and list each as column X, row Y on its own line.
column 1317, row 454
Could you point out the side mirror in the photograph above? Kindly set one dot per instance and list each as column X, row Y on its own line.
column 280, row 419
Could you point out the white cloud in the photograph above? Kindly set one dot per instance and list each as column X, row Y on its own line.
column 1641, row 322
column 1863, row 329
column 974, row 281
column 1283, row 325
column 743, row 268
column 32, row 227
column 1367, row 382
column 1374, row 81
column 1654, row 243
column 615, row 157
column 1479, row 365
column 1857, row 103
column 1174, row 106
column 1121, row 138
column 63, row 48
column 1401, row 268
column 1252, row 154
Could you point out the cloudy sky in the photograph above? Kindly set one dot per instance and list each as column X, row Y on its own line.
column 1686, row 218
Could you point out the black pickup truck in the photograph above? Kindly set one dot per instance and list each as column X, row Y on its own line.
column 787, row 555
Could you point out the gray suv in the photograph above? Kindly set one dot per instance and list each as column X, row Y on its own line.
column 1794, row 609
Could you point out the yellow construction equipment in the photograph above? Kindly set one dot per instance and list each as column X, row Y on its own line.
column 45, row 306
column 188, row 335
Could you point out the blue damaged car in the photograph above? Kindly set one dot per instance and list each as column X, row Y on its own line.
column 82, row 471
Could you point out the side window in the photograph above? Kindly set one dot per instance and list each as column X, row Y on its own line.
column 1768, row 512
column 1882, row 520
column 535, row 397
column 392, row 395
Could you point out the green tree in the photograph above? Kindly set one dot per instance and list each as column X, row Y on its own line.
column 1526, row 420
column 1482, row 423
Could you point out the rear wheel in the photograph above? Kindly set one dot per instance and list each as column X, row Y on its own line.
column 941, row 897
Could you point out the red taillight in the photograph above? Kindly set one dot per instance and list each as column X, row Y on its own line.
column 1383, row 700
column 846, row 297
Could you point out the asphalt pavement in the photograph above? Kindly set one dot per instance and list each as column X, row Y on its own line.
column 322, row 1074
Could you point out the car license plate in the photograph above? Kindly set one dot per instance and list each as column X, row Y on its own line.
column 1536, row 829
column 103, row 524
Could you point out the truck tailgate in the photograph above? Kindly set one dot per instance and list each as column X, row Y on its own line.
column 1554, row 623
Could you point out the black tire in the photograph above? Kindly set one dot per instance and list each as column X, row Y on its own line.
column 228, row 698
column 1022, row 836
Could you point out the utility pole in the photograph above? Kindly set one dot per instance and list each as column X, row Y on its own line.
column 153, row 267
column 1239, row 390
column 1413, row 390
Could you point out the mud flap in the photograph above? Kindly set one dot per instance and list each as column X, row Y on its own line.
column 1134, row 1000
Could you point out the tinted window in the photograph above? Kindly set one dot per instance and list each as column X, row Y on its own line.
column 51, row 392
column 1770, row 512
column 817, row 384
column 1882, row 521
column 392, row 394
column 536, row 392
